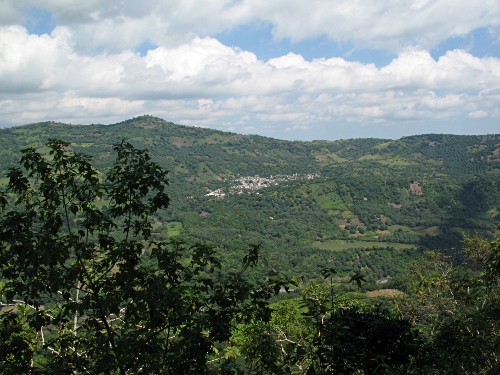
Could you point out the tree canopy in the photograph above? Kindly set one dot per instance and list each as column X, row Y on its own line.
column 88, row 287
column 90, row 291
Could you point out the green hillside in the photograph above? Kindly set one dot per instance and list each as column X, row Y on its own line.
column 363, row 204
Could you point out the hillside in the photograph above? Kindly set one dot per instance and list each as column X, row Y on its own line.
column 307, row 203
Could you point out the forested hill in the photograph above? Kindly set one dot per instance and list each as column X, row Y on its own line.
column 307, row 203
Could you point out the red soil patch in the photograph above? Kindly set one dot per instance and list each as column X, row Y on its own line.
column 384, row 232
column 496, row 155
column 416, row 189
column 147, row 125
column 354, row 221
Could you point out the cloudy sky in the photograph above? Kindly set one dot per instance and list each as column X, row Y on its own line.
column 289, row 69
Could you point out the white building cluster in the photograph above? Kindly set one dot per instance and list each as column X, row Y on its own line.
column 252, row 183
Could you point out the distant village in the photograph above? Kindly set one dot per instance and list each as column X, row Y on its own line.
column 248, row 184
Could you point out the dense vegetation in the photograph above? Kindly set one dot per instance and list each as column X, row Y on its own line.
column 89, row 286
column 413, row 194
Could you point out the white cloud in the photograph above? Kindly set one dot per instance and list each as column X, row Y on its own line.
column 298, row 127
column 203, row 82
column 26, row 60
column 434, row 102
column 9, row 13
column 478, row 114
column 391, row 24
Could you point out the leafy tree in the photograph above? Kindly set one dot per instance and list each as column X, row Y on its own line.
column 351, row 337
column 328, row 333
column 89, row 291
column 456, row 308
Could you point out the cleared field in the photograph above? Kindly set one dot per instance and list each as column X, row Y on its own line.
column 174, row 228
column 336, row 245
column 384, row 293
column 387, row 160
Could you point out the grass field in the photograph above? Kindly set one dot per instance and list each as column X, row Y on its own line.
column 387, row 161
column 383, row 293
column 337, row 245
column 174, row 228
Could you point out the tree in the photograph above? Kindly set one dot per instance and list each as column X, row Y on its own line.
column 456, row 308
column 351, row 337
column 87, row 290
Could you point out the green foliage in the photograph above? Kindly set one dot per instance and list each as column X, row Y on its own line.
column 18, row 345
column 350, row 337
column 90, row 291
column 364, row 180
column 95, row 272
column 256, row 344
column 369, row 342
column 456, row 308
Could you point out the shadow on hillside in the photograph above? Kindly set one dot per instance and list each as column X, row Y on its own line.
column 467, row 215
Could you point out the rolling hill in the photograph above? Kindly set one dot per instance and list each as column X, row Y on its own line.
column 363, row 204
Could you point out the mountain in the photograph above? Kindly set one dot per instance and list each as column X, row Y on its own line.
column 370, row 205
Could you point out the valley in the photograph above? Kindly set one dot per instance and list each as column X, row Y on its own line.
column 304, row 202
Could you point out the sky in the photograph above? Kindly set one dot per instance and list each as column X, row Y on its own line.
column 287, row 69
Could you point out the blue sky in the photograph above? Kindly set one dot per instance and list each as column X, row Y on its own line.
column 291, row 69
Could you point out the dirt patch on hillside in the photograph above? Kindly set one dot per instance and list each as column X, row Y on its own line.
column 180, row 142
column 384, row 293
column 353, row 222
column 146, row 125
column 495, row 156
column 433, row 231
column 384, row 232
column 394, row 205
column 416, row 188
